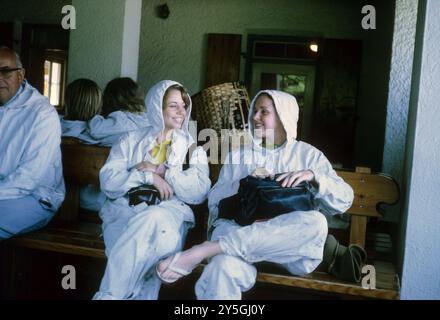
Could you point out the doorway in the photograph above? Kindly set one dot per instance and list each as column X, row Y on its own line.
column 298, row 80
column 44, row 53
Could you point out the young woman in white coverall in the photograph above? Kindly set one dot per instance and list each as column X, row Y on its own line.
column 137, row 237
column 294, row 240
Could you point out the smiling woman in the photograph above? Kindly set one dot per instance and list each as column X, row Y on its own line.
column 266, row 122
column 150, row 158
column 175, row 103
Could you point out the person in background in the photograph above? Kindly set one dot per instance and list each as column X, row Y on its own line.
column 82, row 101
column 123, row 111
column 31, row 179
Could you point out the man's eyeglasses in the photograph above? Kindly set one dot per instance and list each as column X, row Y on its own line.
column 7, row 72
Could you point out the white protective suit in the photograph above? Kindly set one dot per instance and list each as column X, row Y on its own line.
column 31, row 178
column 294, row 240
column 109, row 130
column 136, row 238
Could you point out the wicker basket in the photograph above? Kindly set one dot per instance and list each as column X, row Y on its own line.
column 224, row 106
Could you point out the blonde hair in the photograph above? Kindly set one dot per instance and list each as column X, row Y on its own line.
column 83, row 100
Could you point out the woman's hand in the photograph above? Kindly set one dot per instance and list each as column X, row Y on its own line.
column 292, row 179
column 165, row 190
column 160, row 170
column 146, row 166
column 261, row 173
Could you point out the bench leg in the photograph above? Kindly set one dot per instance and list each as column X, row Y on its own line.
column 358, row 230
column 8, row 272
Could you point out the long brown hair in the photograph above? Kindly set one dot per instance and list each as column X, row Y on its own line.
column 185, row 95
column 122, row 94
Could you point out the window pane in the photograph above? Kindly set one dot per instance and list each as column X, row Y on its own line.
column 293, row 84
column 46, row 77
column 270, row 50
column 55, row 84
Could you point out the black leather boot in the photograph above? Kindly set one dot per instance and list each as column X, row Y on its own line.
column 345, row 263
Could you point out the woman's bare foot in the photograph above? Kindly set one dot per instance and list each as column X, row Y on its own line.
column 183, row 263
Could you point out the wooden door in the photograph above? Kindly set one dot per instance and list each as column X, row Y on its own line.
column 334, row 119
column 223, row 59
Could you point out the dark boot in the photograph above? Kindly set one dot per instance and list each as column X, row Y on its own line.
column 345, row 263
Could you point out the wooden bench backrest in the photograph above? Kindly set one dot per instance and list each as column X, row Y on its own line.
column 81, row 163
column 369, row 191
column 81, row 166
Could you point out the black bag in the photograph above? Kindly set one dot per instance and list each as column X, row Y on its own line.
column 259, row 199
column 144, row 193
column 147, row 192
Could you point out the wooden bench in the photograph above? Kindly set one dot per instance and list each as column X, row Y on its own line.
column 74, row 234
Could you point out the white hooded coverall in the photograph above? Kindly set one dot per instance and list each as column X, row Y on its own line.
column 31, row 178
column 136, row 238
column 294, row 240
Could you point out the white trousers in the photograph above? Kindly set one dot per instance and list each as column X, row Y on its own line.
column 146, row 237
column 294, row 240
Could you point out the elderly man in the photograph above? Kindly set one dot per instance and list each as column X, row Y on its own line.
column 31, row 180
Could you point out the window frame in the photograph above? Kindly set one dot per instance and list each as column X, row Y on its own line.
column 57, row 56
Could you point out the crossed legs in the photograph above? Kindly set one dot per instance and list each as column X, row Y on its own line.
column 294, row 240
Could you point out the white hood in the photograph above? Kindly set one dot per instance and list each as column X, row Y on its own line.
column 153, row 102
column 287, row 109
